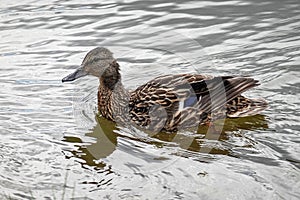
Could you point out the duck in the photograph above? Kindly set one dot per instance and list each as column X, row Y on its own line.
column 170, row 102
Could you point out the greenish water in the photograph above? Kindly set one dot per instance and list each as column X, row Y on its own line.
column 54, row 145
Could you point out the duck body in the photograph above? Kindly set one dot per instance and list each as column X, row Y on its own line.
column 168, row 102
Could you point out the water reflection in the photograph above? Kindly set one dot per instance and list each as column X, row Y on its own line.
column 106, row 136
column 42, row 40
column 106, row 142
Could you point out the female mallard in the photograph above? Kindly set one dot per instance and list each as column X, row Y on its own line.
column 167, row 102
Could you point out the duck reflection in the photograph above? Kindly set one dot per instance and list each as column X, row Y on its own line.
column 106, row 142
column 203, row 140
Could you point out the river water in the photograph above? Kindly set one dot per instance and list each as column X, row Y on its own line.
column 55, row 146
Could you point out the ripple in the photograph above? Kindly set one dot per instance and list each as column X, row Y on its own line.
column 55, row 146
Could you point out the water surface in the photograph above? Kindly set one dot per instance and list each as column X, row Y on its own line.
column 55, row 146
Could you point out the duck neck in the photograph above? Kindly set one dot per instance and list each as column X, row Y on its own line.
column 112, row 96
column 110, row 86
column 110, row 81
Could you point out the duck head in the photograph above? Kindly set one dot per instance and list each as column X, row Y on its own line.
column 98, row 62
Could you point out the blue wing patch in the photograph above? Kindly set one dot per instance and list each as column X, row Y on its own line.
column 190, row 102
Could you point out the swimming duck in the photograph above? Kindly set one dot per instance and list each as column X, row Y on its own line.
column 168, row 102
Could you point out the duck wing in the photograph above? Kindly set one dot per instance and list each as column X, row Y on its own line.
column 171, row 99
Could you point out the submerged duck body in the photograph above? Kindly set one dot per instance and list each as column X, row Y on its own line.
column 168, row 102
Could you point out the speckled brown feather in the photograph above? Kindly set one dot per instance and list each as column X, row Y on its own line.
column 165, row 92
column 155, row 105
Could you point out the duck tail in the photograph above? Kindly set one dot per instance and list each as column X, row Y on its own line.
column 243, row 107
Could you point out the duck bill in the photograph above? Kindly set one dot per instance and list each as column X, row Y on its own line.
column 75, row 75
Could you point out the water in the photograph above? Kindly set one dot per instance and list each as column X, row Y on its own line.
column 54, row 146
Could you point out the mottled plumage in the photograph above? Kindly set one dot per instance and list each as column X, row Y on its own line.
column 168, row 102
